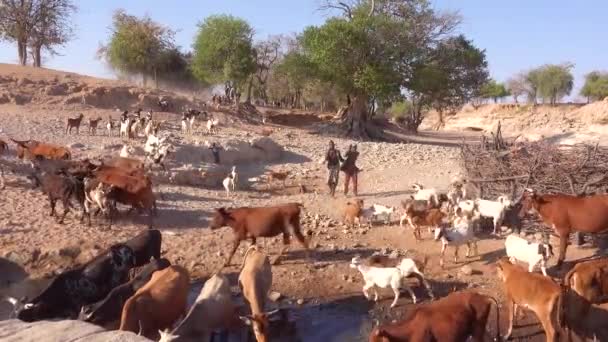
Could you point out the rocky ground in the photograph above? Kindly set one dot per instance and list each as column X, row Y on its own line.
column 324, row 294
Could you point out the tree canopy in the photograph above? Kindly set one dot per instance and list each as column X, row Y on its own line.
column 493, row 90
column 596, row 86
column 223, row 51
column 138, row 45
column 37, row 24
column 550, row 82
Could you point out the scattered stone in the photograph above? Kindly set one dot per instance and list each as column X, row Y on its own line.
column 76, row 145
column 16, row 257
column 70, row 252
column 466, row 270
column 300, row 301
column 274, row 296
column 344, row 277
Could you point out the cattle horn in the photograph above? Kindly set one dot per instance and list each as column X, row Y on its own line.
column 14, row 301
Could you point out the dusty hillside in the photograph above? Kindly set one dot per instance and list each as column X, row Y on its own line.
column 564, row 124
column 47, row 88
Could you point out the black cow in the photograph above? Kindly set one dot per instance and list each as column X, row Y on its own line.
column 109, row 309
column 146, row 245
column 70, row 290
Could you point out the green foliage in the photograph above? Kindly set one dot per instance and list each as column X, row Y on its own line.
column 596, row 86
column 223, row 50
column 453, row 74
column 137, row 45
column 493, row 90
column 550, row 82
column 399, row 109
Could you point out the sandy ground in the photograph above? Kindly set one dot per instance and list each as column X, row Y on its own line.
column 324, row 284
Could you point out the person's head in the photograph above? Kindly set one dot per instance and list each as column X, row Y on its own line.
column 331, row 144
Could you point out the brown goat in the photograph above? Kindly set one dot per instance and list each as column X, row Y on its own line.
column 73, row 123
column 566, row 214
column 257, row 222
column 451, row 319
column 533, row 291
column 31, row 149
column 93, row 123
column 352, row 212
column 431, row 218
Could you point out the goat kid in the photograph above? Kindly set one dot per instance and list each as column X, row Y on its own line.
column 93, row 125
column 383, row 277
column 462, row 233
column 73, row 123
column 532, row 253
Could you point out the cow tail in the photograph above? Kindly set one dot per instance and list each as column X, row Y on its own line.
column 497, row 338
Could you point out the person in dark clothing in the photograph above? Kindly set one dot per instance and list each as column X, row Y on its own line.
column 333, row 160
column 215, row 150
column 350, row 169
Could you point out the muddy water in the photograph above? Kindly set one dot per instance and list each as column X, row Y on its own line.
column 341, row 321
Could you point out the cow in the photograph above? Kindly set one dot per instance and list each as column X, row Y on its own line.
column 31, row 149
column 254, row 222
column 158, row 304
column 70, row 290
column 533, row 291
column 566, row 214
column 145, row 245
column 60, row 187
column 453, row 318
column 108, row 310
column 589, row 279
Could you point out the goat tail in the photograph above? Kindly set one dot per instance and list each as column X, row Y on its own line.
column 497, row 338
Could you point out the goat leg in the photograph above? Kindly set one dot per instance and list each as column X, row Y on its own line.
column 66, row 209
column 52, row 207
column 510, row 317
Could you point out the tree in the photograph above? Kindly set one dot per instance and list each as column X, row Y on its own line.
column 493, row 90
column 267, row 53
column 137, row 45
column 596, row 86
column 550, row 82
column 39, row 24
column 223, row 52
column 517, row 86
column 368, row 53
column 450, row 76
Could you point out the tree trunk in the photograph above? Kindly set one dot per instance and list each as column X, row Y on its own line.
column 249, row 87
column 37, row 56
column 155, row 79
column 356, row 120
column 22, row 50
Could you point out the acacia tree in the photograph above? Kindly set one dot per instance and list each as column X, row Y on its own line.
column 137, row 45
column 223, row 53
column 596, row 86
column 267, row 52
column 550, row 82
column 517, row 86
column 450, row 76
column 39, row 24
column 493, row 90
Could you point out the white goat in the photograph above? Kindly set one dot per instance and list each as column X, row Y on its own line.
column 382, row 277
column 124, row 128
column 109, row 126
column 378, row 209
column 185, row 125
column 152, row 143
column 149, row 127
column 429, row 195
column 533, row 253
column 228, row 183
column 235, row 177
column 126, row 151
column 212, row 125
column 462, row 233
column 159, row 153
column 494, row 209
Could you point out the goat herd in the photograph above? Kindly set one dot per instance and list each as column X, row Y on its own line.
column 130, row 284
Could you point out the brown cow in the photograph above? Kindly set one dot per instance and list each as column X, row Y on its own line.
column 566, row 214
column 257, row 222
column 589, row 279
column 451, row 319
column 158, row 304
column 532, row 291
column 31, row 149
